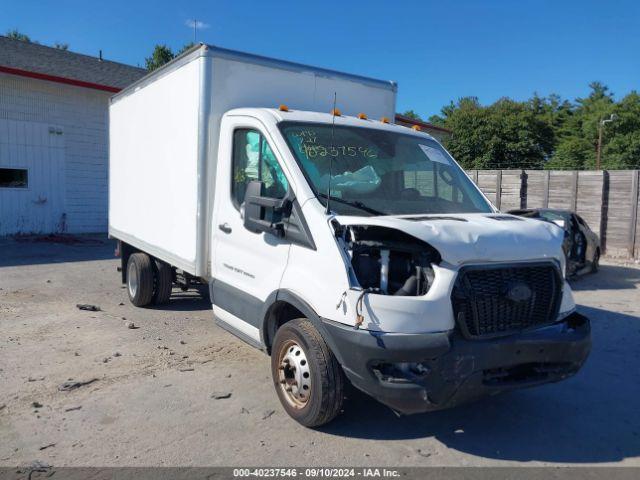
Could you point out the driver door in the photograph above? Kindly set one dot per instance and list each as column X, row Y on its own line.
column 247, row 266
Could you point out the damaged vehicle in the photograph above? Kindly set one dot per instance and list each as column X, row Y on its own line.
column 350, row 250
column 581, row 245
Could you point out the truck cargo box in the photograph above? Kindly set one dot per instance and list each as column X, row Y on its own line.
column 163, row 140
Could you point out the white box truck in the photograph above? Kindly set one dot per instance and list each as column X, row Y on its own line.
column 349, row 249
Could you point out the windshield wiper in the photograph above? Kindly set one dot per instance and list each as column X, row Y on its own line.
column 354, row 203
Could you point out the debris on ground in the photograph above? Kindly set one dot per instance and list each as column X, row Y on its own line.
column 3, row 406
column 117, row 354
column 268, row 414
column 244, row 410
column 35, row 379
column 131, row 325
column 187, row 369
column 220, row 395
column 72, row 385
column 47, row 446
column 182, row 342
column 422, row 453
column 88, row 307
column 36, row 405
column 71, row 409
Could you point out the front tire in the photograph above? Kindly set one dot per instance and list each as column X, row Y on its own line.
column 307, row 377
column 140, row 279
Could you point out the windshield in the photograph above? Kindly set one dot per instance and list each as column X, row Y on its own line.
column 377, row 172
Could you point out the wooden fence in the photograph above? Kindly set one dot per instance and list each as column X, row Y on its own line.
column 607, row 200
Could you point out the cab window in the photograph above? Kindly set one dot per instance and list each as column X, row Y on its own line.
column 253, row 159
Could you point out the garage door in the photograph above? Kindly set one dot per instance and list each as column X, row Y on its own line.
column 31, row 178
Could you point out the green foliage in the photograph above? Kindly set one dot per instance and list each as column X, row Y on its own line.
column 16, row 35
column 507, row 134
column 185, row 48
column 412, row 115
column 161, row 54
column 544, row 132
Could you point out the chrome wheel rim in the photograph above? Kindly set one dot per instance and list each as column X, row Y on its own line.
column 132, row 280
column 294, row 375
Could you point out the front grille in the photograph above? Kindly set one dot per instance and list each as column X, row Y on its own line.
column 491, row 301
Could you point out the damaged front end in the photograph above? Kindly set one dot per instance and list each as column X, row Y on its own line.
column 429, row 335
column 388, row 261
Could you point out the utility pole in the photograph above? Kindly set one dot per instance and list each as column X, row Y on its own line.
column 600, row 129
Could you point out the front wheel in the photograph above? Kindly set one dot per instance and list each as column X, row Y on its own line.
column 307, row 377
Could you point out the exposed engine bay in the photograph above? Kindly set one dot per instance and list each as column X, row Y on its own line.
column 388, row 261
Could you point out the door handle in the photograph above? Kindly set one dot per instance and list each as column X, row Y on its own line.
column 225, row 227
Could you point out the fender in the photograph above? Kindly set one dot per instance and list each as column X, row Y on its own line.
column 293, row 299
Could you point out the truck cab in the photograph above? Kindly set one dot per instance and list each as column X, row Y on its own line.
column 354, row 251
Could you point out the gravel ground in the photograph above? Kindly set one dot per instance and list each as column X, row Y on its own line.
column 152, row 397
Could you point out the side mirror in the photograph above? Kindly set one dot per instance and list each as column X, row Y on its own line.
column 264, row 214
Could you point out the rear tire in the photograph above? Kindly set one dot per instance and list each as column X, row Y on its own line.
column 140, row 279
column 163, row 282
column 307, row 377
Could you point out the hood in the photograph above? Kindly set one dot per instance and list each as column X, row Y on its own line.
column 477, row 237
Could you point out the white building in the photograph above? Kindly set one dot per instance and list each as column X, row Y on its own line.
column 54, row 138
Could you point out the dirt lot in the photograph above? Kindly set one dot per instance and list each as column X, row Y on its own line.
column 153, row 398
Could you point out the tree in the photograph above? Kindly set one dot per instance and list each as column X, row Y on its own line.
column 412, row 115
column 507, row 134
column 16, row 35
column 161, row 54
column 185, row 48
column 61, row 46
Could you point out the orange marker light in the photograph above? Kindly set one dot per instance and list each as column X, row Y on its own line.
column 384, row 120
column 362, row 116
column 283, row 108
column 336, row 112
column 416, row 127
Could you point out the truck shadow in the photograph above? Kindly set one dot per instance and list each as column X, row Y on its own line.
column 43, row 249
column 609, row 277
column 195, row 299
column 592, row 417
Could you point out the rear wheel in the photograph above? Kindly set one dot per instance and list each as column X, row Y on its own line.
column 140, row 279
column 163, row 282
column 307, row 377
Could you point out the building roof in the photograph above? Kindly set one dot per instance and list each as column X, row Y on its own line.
column 403, row 120
column 53, row 64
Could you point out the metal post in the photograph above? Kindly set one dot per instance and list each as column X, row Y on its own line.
column 498, row 189
column 524, row 184
column 601, row 125
column 545, row 189
column 635, row 182
column 574, row 199
column 599, row 149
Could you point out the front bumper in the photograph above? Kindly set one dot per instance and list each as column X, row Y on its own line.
column 447, row 370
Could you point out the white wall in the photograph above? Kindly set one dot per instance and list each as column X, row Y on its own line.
column 81, row 115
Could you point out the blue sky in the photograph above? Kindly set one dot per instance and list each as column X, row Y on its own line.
column 436, row 51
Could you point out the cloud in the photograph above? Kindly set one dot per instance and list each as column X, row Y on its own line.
column 197, row 24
